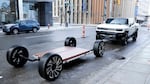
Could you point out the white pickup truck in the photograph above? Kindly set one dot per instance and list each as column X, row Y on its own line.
column 120, row 29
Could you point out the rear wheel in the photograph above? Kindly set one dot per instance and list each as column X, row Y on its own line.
column 50, row 66
column 34, row 30
column 98, row 48
column 16, row 56
column 70, row 41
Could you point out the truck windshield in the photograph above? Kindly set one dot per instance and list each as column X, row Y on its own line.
column 120, row 21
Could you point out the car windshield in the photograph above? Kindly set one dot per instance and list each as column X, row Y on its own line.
column 120, row 21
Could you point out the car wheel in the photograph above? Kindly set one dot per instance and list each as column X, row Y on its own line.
column 70, row 41
column 15, row 31
column 16, row 56
column 34, row 30
column 50, row 66
column 98, row 48
column 134, row 36
column 125, row 39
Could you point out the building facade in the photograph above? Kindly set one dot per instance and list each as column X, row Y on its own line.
column 81, row 11
column 124, row 8
column 143, row 10
column 12, row 10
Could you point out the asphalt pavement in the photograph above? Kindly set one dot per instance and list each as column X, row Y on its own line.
column 135, row 69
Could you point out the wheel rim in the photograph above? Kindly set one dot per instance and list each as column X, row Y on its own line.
column 54, row 67
column 34, row 30
column 72, row 43
column 101, row 48
column 17, row 55
column 15, row 31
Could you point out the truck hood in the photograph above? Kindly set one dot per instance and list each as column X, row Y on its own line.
column 112, row 26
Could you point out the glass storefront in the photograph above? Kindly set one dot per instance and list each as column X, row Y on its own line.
column 12, row 10
column 8, row 12
column 30, row 11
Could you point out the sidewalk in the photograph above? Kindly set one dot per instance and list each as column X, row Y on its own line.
column 57, row 26
column 134, row 70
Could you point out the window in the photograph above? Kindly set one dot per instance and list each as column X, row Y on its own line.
column 117, row 21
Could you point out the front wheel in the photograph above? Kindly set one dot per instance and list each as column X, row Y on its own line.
column 16, row 56
column 124, row 40
column 134, row 36
column 50, row 66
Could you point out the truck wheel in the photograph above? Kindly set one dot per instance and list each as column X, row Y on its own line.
column 98, row 48
column 16, row 56
column 50, row 66
column 15, row 31
column 134, row 36
column 70, row 41
column 124, row 40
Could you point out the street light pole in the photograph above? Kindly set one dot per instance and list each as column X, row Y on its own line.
column 105, row 10
column 61, row 10
column 66, row 5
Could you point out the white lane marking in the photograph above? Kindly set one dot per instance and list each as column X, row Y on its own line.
column 36, row 36
column 1, row 77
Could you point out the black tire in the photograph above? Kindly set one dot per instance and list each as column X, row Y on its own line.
column 15, row 56
column 124, row 40
column 50, row 66
column 7, row 33
column 134, row 36
column 97, row 37
column 98, row 48
column 34, row 30
column 70, row 41
column 15, row 31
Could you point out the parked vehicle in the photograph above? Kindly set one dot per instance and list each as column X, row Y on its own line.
column 120, row 29
column 21, row 26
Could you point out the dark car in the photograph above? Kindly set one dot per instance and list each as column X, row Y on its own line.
column 21, row 26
